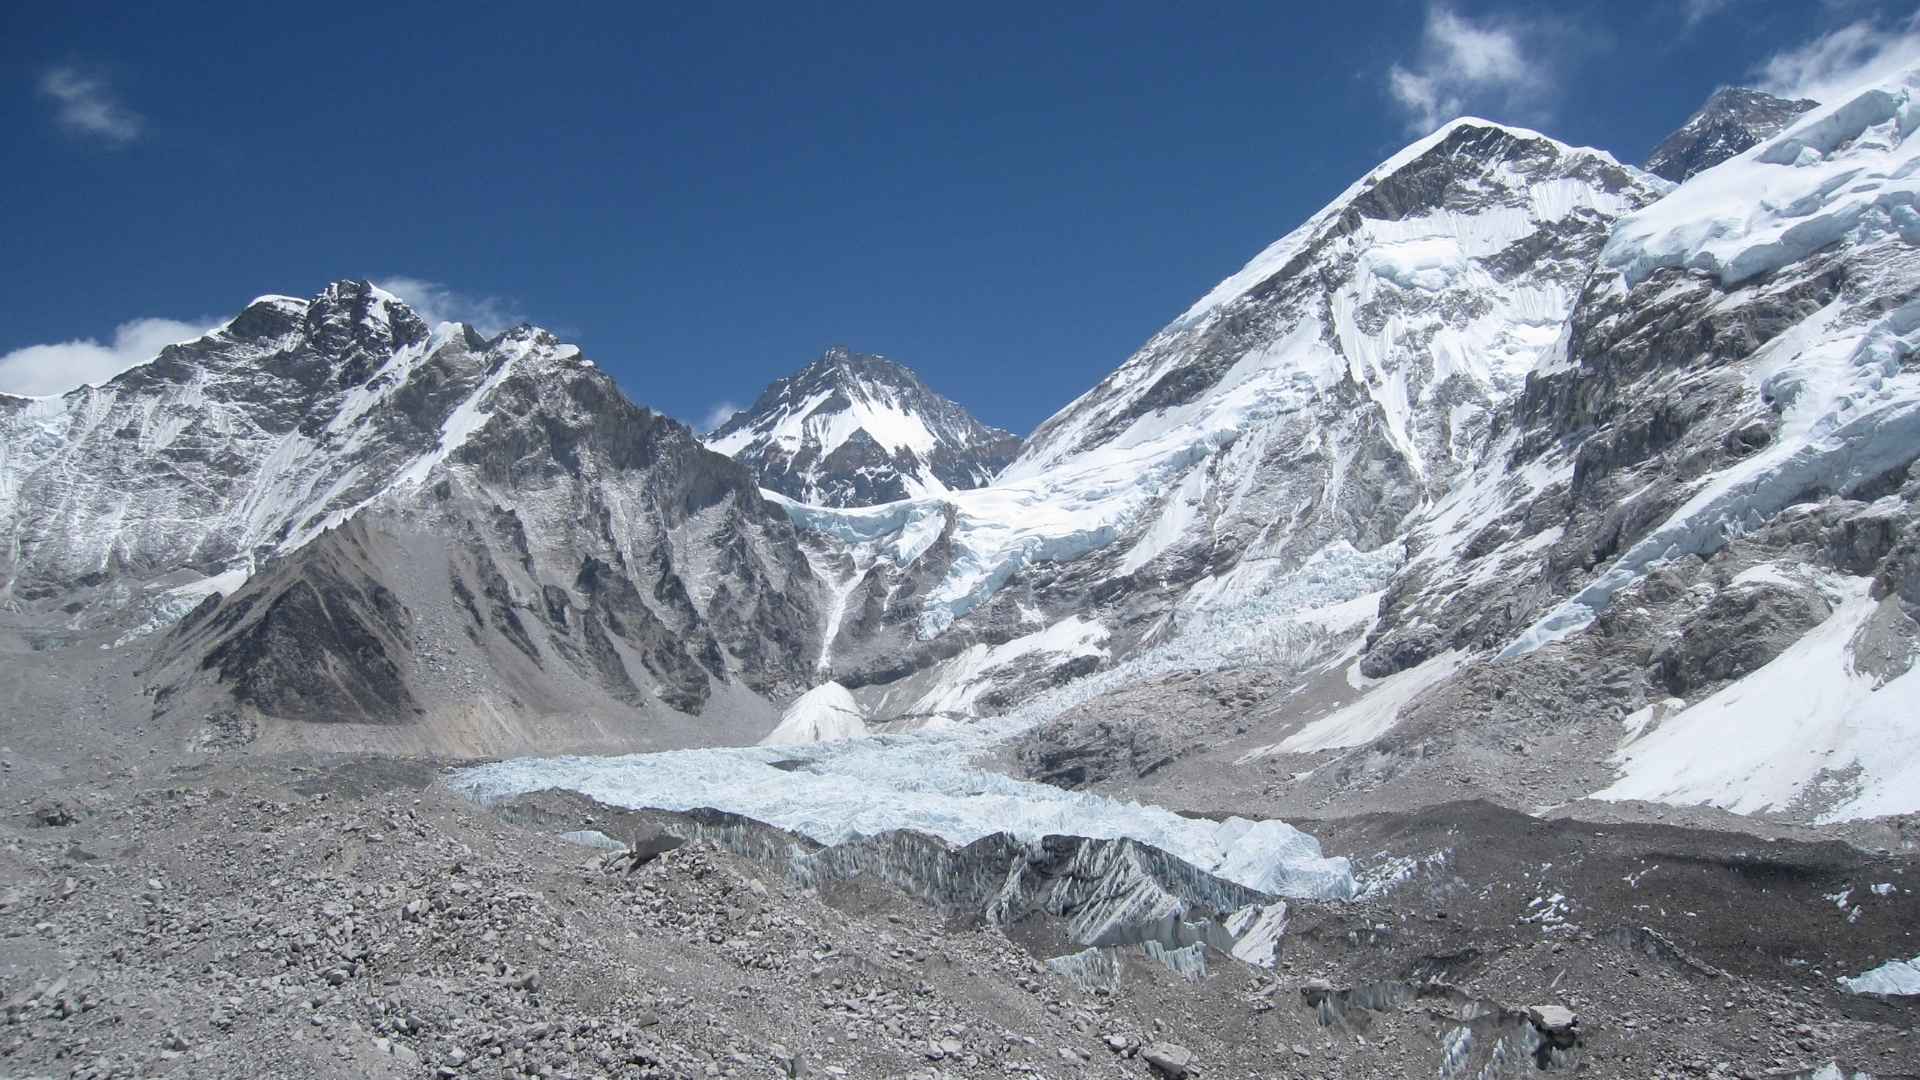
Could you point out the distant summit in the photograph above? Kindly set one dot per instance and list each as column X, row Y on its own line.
column 1733, row 120
column 854, row 429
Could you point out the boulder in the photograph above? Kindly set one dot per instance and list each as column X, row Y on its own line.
column 1556, row 1022
column 1170, row 1060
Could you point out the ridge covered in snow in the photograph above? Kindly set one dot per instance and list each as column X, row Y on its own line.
column 1288, row 423
column 853, row 429
column 249, row 441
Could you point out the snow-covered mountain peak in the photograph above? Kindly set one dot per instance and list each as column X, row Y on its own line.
column 855, row 429
column 1458, row 256
column 1268, row 447
column 312, row 408
column 1463, row 154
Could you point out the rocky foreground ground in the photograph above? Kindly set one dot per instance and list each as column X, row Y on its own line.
column 352, row 917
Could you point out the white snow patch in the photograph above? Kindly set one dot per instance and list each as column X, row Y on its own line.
column 965, row 677
column 1373, row 715
column 823, row 714
column 1844, row 170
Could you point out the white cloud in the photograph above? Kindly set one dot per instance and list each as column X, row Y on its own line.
column 1492, row 65
column 438, row 303
column 1695, row 12
column 85, row 105
column 719, row 414
column 57, row 368
column 1844, row 59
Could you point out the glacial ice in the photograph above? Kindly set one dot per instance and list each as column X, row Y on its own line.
column 1849, row 413
column 1896, row 977
column 835, row 792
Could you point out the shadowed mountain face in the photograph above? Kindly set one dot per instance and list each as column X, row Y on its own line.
column 852, row 429
column 1732, row 121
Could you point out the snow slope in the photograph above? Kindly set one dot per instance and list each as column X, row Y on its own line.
column 249, row 442
column 823, row 714
column 1303, row 408
column 1809, row 725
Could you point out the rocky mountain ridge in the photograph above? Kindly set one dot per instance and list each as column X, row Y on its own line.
column 1731, row 121
column 379, row 530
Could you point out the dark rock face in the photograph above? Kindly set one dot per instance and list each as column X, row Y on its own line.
column 320, row 641
column 1733, row 120
column 1655, row 399
column 1737, row 632
column 905, row 439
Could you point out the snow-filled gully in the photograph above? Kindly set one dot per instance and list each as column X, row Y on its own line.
column 915, row 811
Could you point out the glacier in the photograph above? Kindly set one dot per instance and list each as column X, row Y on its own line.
column 927, row 782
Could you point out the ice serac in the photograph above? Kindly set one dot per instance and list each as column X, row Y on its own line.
column 853, row 429
column 1105, row 895
column 1274, row 439
column 455, row 541
column 1732, row 120
column 916, row 813
column 1706, row 500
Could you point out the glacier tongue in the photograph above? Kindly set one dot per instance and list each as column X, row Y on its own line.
column 837, row 792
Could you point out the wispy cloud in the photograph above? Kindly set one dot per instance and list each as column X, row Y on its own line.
column 84, row 104
column 719, row 414
column 1843, row 59
column 62, row 366
column 1695, row 12
column 1492, row 65
column 438, row 303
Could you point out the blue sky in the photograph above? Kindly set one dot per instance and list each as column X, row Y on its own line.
column 1008, row 200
